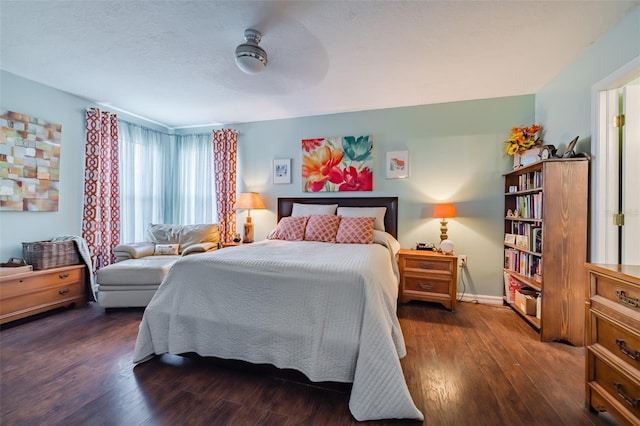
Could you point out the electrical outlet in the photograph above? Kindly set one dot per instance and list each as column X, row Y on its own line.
column 462, row 260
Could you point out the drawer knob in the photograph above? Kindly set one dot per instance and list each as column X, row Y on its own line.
column 63, row 276
column 623, row 298
column 634, row 402
column 425, row 286
column 63, row 292
column 424, row 265
column 622, row 345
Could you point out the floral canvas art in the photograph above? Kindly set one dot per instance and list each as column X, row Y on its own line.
column 337, row 164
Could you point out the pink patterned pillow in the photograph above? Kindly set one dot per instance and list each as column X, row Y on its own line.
column 290, row 228
column 322, row 228
column 356, row 230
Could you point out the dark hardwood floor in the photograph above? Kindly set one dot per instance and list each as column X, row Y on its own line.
column 479, row 366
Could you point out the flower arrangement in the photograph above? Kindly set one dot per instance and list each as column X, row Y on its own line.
column 523, row 138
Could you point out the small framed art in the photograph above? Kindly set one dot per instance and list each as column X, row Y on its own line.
column 282, row 170
column 397, row 164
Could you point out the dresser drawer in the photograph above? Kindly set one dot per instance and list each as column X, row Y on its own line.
column 56, row 295
column 427, row 284
column 622, row 341
column 618, row 385
column 620, row 292
column 428, row 264
column 37, row 281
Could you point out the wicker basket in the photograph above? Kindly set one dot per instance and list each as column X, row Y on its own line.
column 49, row 254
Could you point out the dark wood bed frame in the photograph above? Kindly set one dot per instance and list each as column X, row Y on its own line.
column 285, row 206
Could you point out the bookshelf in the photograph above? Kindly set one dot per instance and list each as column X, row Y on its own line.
column 545, row 245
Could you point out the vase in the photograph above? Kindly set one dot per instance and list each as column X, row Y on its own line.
column 527, row 157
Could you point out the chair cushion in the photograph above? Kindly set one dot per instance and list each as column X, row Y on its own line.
column 146, row 270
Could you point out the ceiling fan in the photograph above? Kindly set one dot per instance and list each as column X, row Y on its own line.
column 250, row 57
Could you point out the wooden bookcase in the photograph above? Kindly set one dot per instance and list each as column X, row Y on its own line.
column 550, row 247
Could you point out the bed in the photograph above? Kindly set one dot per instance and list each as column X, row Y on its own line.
column 327, row 310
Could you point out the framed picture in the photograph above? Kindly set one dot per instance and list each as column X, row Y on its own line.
column 397, row 164
column 282, row 171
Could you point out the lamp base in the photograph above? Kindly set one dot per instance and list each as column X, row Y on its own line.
column 443, row 230
column 248, row 231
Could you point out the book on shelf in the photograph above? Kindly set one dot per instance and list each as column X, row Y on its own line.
column 536, row 240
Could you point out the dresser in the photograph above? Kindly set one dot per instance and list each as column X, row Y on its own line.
column 428, row 276
column 613, row 341
column 29, row 293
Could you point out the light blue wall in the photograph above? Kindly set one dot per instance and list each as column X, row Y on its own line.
column 563, row 106
column 456, row 154
column 31, row 98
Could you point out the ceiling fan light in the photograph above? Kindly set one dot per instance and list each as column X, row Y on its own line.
column 250, row 57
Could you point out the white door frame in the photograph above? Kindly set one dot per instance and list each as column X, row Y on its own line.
column 602, row 238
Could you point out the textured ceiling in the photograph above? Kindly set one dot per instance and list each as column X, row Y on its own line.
column 172, row 61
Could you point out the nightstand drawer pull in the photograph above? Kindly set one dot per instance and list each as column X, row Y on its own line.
column 425, row 286
column 424, row 265
column 622, row 345
column 631, row 301
column 63, row 276
column 63, row 292
column 634, row 402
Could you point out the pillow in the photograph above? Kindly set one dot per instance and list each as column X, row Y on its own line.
column 166, row 249
column 386, row 240
column 355, row 230
column 290, row 228
column 377, row 212
column 322, row 228
column 313, row 209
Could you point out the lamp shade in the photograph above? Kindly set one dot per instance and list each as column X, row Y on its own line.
column 444, row 210
column 248, row 201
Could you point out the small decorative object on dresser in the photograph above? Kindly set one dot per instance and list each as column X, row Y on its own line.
column 613, row 341
column 428, row 276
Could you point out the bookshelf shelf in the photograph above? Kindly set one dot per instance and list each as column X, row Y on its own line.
column 545, row 244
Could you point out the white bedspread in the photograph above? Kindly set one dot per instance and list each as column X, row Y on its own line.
column 327, row 310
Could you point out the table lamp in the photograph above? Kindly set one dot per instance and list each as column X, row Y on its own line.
column 248, row 201
column 444, row 211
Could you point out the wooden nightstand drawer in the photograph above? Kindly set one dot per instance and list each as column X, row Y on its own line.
column 34, row 282
column 426, row 284
column 428, row 264
column 621, row 292
column 53, row 295
column 623, row 388
column 620, row 340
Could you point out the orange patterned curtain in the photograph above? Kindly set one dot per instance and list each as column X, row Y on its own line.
column 101, row 211
column 225, row 149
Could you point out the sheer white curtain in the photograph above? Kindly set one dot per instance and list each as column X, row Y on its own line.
column 164, row 179
column 194, row 198
column 145, row 179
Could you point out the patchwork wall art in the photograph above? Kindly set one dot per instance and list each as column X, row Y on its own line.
column 29, row 162
column 337, row 164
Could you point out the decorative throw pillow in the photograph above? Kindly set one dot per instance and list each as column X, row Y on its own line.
column 166, row 249
column 322, row 228
column 356, row 230
column 377, row 212
column 300, row 209
column 290, row 229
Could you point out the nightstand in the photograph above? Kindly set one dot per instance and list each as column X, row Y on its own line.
column 429, row 276
column 231, row 244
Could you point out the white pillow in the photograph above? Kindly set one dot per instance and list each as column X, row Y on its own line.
column 313, row 209
column 377, row 212
column 386, row 239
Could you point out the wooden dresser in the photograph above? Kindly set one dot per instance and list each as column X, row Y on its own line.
column 29, row 293
column 613, row 341
column 428, row 276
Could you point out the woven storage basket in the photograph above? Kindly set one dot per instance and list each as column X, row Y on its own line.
column 49, row 254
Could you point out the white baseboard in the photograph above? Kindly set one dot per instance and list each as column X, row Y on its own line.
column 476, row 298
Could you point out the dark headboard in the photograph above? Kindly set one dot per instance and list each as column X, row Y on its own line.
column 285, row 206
